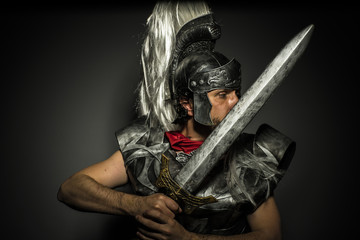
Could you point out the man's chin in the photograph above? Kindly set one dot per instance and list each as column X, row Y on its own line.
column 206, row 129
column 216, row 122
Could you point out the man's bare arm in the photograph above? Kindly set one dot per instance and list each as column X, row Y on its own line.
column 91, row 189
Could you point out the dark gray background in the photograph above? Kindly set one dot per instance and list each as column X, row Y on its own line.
column 68, row 79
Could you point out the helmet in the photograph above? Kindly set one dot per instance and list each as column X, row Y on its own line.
column 198, row 69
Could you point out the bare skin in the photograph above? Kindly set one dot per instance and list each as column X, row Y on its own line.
column 91, row 189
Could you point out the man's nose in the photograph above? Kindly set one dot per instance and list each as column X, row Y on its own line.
column 233, row 99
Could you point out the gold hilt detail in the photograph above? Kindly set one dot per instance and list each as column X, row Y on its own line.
column 187, row 201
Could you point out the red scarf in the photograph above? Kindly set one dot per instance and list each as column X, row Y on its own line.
column 179, row 142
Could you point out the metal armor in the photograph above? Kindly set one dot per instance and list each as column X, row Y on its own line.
column 245, row 178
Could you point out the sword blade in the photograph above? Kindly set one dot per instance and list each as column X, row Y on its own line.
column 223, row 136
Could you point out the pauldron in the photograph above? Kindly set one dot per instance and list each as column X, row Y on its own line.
column 248, row 175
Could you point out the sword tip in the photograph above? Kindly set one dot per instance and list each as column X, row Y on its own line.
column 304, row 36
column 309, row 29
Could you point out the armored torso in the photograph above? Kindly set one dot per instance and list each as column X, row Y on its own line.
column 245, row 178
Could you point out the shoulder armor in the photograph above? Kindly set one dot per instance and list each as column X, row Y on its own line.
column 257, row 163
column 134, row 132
column 141, row 147
column 279, row 145
column 139, row 136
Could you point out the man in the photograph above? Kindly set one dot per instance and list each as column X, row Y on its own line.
column 181, row 101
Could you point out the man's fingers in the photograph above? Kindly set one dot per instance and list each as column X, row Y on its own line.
column 162, row 203
column 150, row 221
column 144, row 234
column 168, row 213
column 172, row 205
column 164, row 209
column 167, row 205
column 157, row 216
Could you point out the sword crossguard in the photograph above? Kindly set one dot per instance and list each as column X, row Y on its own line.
column 186, row 200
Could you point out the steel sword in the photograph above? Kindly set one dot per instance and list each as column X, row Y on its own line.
column 222, row 137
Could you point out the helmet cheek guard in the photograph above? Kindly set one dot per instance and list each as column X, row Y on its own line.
column 202, row 108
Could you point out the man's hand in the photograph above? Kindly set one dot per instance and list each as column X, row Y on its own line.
column 156, row 225
column 157, row 202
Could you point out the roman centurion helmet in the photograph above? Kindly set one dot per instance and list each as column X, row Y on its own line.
column 197, row 69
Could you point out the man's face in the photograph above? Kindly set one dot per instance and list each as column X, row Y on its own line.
column 222, row 101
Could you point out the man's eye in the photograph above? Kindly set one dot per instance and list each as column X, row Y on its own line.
column 222, row 94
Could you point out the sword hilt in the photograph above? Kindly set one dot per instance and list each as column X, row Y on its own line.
column 187, row 201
